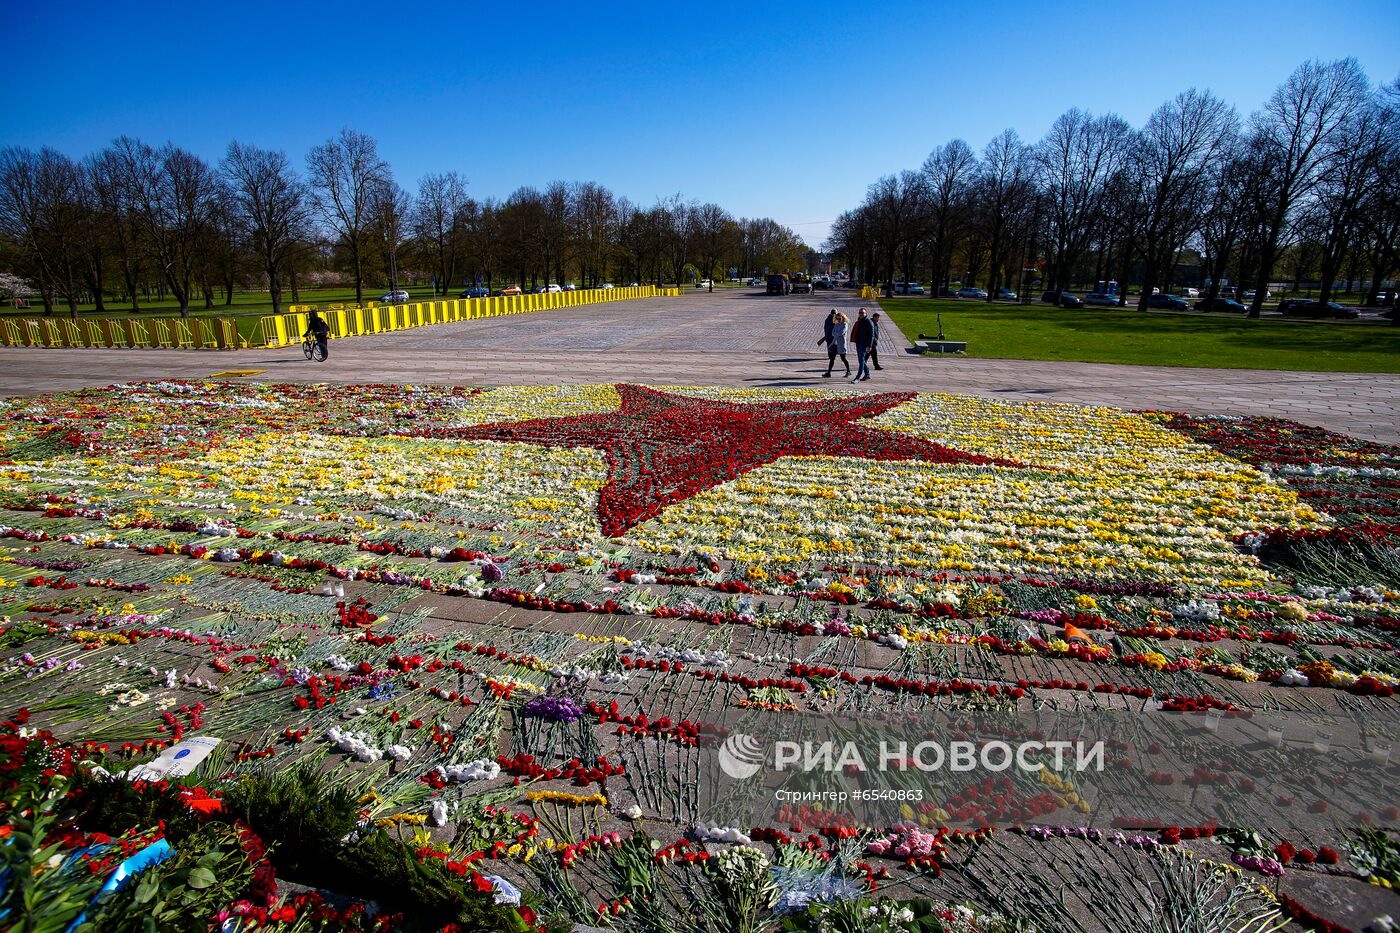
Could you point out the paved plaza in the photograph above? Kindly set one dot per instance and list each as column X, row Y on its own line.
column 734, row 337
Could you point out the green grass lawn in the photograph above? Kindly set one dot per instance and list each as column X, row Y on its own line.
column 254, row 303
column 1031, row 332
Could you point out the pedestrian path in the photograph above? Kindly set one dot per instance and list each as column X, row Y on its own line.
column 734, row 337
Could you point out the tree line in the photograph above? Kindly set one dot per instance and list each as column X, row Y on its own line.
column 135, row 221
column 1307, row 187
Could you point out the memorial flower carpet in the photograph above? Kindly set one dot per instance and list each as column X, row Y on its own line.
column 479, row 644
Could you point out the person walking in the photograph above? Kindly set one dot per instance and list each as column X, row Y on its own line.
column 875, row 341
column 837, row 345
column 862, row 333
column 827, row 325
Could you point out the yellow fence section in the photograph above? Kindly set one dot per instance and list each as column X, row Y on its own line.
column 280, row 330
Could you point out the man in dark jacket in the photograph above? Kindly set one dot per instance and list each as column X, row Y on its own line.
column 863, row 336
column 317, row 327
column 827, row 328
column 875, row 341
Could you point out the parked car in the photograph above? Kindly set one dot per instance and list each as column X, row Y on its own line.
column 755, row 282
column 1220, row 304
column 1103, row 299
column 705, row 283
column 1167, row 303
column 1287, row 303
column 801, row 285
column 1006, row 294
column 508, row 290
column 972, row 293
column 394, row 297
column 604, row 285
column 476, row 291
column 1321, row 309
column 570, row 287
column 1061, row 298
column 1190, row 293
column 547, row 289
column 1249, row 295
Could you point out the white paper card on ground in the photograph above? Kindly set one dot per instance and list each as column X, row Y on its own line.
column 176, row 761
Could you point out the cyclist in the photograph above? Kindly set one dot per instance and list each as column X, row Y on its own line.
column 317, row 327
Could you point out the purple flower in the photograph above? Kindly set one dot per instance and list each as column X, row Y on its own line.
column 555, row 709
column 491, row 573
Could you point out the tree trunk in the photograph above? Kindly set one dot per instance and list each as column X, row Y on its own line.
column 274, row 287
column 133, row 289
column 99, row 303
column 1149, row 280
column 359, row 274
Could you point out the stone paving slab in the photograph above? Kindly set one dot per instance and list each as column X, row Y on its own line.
column 733, row 337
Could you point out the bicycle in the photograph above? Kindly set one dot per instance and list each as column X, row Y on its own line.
column 312, row 350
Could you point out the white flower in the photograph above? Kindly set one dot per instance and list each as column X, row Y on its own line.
column 480, row 770
column 706, row 832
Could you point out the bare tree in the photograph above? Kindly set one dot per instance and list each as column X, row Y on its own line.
column 1076, row 159
column 671, row 227
column 1296, row 130
column 1171, row 165
column 42, row 208
column 270, row 206
column 173, row 194
column 390, row 209
column 436, row 219
column 481, row 238
column 345, row 174
column 110, row 177
column 1351, row 176
column 595, row 224
column 714, row 228
column 895, row 202
column 949, row 172
column 1235, row 208
column 1004, row 189
column 1380, row 214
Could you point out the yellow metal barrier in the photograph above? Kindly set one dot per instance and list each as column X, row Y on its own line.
column 280, row 330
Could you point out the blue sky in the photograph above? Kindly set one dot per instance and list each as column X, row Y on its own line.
column 787, row 111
